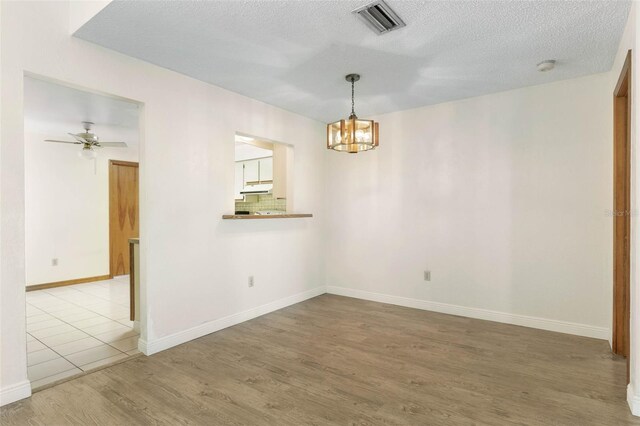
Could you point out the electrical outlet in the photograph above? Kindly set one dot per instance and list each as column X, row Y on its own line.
column 54, row 261
column 251, row 281
column 427, row 275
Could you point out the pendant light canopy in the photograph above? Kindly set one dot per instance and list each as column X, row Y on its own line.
column 352, row 135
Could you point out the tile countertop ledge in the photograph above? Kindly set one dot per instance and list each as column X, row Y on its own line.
column 265, row 216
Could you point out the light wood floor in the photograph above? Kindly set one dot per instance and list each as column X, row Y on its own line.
column 335, row 360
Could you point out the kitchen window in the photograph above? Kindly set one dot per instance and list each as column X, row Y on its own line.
column 262, row 172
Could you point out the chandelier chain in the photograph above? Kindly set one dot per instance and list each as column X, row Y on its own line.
column 353, row 102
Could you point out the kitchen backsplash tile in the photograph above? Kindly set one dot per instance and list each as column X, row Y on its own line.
column 261, row 202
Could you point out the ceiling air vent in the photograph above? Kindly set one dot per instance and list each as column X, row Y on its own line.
column 379, row 16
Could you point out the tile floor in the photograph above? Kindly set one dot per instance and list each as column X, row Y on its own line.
column 77, row 328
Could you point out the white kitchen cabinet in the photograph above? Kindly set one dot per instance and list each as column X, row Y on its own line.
column 239, row 181
column 250, row 171
column 266, row 168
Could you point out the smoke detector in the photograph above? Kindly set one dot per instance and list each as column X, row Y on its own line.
column 547, row 65
column 379, row 17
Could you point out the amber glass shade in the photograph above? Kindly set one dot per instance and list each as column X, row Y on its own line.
column 352, row 135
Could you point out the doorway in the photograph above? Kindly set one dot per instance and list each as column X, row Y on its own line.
column 622, row 211
column 78, row 309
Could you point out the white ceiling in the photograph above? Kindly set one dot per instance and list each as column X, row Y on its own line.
column 246, row 151
column 56, row 110
column 294, row 54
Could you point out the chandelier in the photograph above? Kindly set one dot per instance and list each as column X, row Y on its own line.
column 352, row 135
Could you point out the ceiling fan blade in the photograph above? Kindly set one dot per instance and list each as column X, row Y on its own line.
column 78, row 138
column 112, row 144
column 71, row 142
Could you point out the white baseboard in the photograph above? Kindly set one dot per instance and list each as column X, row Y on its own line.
column 485, row 314
column 15, row 392
column 151, row 347
column 633, row 400
column 155, row 346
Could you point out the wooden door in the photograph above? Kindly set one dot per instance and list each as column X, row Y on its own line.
column 123, row 213
column 622, row 212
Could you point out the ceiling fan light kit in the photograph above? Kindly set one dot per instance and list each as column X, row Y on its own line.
column 89, row 142
column 352, row 135
column 87, row 154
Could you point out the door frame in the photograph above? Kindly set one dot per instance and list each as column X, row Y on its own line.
column 111, row 224
column 620, row 339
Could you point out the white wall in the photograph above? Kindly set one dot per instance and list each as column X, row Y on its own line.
column 194, row 264
column 501, row 197
column 67, row 207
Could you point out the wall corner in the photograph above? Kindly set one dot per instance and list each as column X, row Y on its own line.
column 81, row 12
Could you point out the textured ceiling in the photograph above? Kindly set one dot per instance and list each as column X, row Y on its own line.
column 294, row 54
column 55, row 110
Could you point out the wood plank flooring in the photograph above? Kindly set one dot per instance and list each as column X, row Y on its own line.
column 338, row 361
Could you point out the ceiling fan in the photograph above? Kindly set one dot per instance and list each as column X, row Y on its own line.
column 89, row 141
